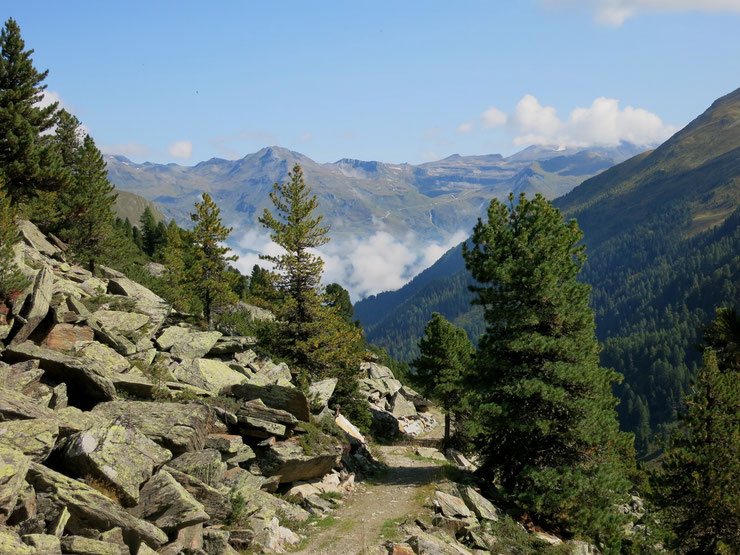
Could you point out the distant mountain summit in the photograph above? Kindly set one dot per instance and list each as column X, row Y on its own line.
column 433, row 200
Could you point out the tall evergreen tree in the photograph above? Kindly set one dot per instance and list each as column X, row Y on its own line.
column 445, row 361
column 698, row 487
column 310, row 334
column 88, row 206
column 152, row 235
column 211, row 280
column 29, row 165
column 338, row 297
column 175, row 275
column 10, row 278
column 544, row 407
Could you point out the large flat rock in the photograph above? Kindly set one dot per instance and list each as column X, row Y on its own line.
column 289, row 461
column 179, row 427
column 34, row 438
column 210, row 375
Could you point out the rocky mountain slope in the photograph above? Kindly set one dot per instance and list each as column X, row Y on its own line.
column 433, row 200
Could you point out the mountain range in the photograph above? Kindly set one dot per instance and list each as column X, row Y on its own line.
column 662, row 231
column 433, row 200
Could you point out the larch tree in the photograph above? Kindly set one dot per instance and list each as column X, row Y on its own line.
column 547, row 428
column 210, row 279
column 444, row 363
column 30, row 166
column 697, row 488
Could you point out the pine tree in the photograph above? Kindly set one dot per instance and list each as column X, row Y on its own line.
column 338, row 297
column 446, row 359
column 30, row 167
column 310, row 334
column 152, row 235
column 88, row 206
column 698, row 487
column 10, row 277
column 544, row 407
column 175, row 278
column 211, row 280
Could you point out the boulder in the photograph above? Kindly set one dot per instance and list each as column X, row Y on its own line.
column 79, row 545
column 36, row 306
column 155, row 269
column 420, row 403
column 64, row 337
column 482, row 507
column 139, row 386
column 231, row 345
column 104, row 356
column 206, row 465
column 320, row 392
column 44, row 543
column 451, row 506
column 11, row 543
column 120, row 320
column 211, row 375
column 187, row 344
column 271, row 373
column 255, row 312
column 303, row 490
column 22, row 376
column 225, row 443
column 33, row 237
column 13, row 468
column 178, row 427
column 91, row 509
column 216, row 501
column 401, row 407
column 242, row 483
column 116, row 454
column 168, row 505
column 376, row 371
column 16, row 406
column 287, row 399
column 289, row 461
column 34, row 438
column 430, row 453
column 72, row 420
column 121, row 285
column 257, row 420
column 354, row 436
column 25, row 506
column 111, row 337
column 87, row 382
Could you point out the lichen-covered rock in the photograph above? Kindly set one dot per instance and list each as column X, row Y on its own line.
column 120, row 320
column 481, row 506
column 231, row 345
column 91, row 509
column 13, row 468
column 401, row 407
column 22, row 376
column 111, row 337
column 72, row 420
column 116, row 454
column 206, row 465
column 187, row 344
column 225, row 443
column 168, row 505
column 178, row 427
column 354, row 436
column 320, row 392
column 376, row 371
column 11, row 543
column 64, row 336
column 257, row 420
column 279, row 397
column 211, row 375
column 103, row 356
column 288, row 460
column 33, row 237
column 34, row 438
column 37, row 305
column 451, row 506
column 87, row 382
column 43, row 543
column 16, row 406
column 79, row 545
column 216, row 502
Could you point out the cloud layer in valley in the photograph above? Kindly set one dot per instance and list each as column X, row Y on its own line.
column 615, row 12
column 364, row 266
column 602, row 123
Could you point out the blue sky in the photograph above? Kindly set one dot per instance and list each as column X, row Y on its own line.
column 396, row 81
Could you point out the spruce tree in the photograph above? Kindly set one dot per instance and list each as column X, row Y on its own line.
column 544, row 407
column 88, row 206
column 445, row 361
column 698, row 488
column 210, row 279
column 30, row 167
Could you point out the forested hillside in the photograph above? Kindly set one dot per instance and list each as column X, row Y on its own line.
column 663, row 235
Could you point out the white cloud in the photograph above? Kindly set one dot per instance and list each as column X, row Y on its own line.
column 304, row 138
column 181, row 149
column 602, row 123
column 493, row 117
column 130, row 150
column 362, row 265
column 615, row 12
column 466, row 127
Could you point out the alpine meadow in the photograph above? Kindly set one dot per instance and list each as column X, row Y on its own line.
column 452, row 351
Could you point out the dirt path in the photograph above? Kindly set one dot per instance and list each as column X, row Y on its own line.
column 388, row 500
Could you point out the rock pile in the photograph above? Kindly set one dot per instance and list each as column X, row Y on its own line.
column 396, row 408
column 122, row 432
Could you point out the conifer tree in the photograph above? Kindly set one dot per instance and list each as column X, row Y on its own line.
column 698, row 487
column 338, row 297
column 209, row 276
column 310, row 334
column 544, row 407
column 173, row 258
column 88, row 206
column 152, row 235
column 446, row 359
column 10, row 278
column 30, row 167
